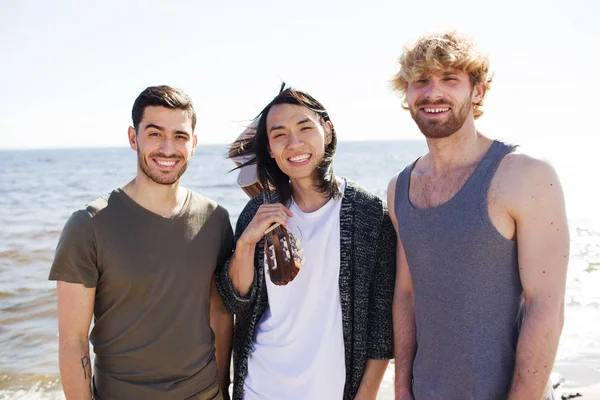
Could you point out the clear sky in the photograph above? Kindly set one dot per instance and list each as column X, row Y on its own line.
column 70, row 70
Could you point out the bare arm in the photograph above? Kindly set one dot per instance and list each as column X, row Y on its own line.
column 221, row 322
column 405, row 342
column 241, row 266
column 75, row 309
column 371, row 380
column 543, row 243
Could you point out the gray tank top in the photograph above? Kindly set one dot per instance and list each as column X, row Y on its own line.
column 465, row 276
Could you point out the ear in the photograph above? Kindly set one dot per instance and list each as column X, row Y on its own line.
column 328, row 128
column 132, row 138
column 194, row 143
column 478, row 93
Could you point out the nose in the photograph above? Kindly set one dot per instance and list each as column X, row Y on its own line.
column 294, row 141
column 167, row 146
column 433, row 90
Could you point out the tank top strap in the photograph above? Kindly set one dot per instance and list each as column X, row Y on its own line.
column 402, row 187
column 488, row 166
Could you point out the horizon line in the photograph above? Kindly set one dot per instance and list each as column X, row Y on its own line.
column 200, row 145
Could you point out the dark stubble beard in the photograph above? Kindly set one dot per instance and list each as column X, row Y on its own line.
column 437, row 128
column 158, row 177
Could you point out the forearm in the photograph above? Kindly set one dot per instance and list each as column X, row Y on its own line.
column 371, row 380
column 405, row 344
column 75, row 369
column 222, row 325
column 536, row 350
column 241, row 269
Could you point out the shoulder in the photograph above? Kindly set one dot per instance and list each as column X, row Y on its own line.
column 79, row 228
column 360, row 193
column 250, row 209
column 204, row 202
column 522, row 176
column 254, row 203
column 82, row 218
column 519, row 168
column 401, row 175
column 207, row 206
column 364, row 203
column 199, row 200
column 391, row 187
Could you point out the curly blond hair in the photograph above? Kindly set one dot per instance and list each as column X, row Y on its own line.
column 437, row 51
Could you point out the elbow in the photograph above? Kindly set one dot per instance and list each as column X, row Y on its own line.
column 68, row 339
column 547, row 311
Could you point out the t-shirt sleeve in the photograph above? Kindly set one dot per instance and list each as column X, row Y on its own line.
column 75, row 256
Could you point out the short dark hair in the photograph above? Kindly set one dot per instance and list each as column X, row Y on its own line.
column 257, row 149
column 162, row 96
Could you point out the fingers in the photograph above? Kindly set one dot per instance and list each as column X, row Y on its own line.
column 265, row 217
column 272, row 213
column 275, row 207
column 287, row 211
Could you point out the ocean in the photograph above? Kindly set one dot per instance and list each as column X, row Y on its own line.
column 39, row 189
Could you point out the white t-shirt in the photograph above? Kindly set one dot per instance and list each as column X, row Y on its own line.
column 298, row 348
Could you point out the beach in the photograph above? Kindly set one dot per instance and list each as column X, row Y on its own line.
column 37, row 197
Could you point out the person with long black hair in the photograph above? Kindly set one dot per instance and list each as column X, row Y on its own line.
column 323, row 331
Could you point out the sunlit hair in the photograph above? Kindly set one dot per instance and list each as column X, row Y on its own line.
column 256, row 149
column 437, row 51
column 162, row 96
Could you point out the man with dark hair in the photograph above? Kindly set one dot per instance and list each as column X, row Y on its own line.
column 141, row 260
column 324, row 331
column 483, row 242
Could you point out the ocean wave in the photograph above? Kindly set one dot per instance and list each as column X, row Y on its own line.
column 32, row 394
column 29, row 384
column 27, row 256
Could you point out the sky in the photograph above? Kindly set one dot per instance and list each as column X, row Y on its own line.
column 70, row 70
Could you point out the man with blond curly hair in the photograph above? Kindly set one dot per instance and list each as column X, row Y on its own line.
column 483, row 242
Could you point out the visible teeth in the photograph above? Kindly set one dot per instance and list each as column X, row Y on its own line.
column 436, row 110
column 300, row 158
column 166, row 163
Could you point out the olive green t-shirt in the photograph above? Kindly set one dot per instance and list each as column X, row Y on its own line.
column 151, row 333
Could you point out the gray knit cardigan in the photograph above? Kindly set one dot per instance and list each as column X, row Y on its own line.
column 366, row 284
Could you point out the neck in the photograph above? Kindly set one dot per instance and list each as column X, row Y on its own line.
column 462, row 148
column 164, row 200
column 306, row 197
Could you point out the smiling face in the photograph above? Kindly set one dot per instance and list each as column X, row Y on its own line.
column 441, row 102
column 297, row 138
column 164, row 142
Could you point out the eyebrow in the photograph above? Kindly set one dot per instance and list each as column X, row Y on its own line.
column 273, row 128
column 182, row 133
column 160, row 128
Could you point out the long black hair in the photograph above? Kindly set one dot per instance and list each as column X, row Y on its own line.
column 256, row 149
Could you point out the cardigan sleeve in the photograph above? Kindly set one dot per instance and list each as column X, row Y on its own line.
column 234, row 302
column 381, row 338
